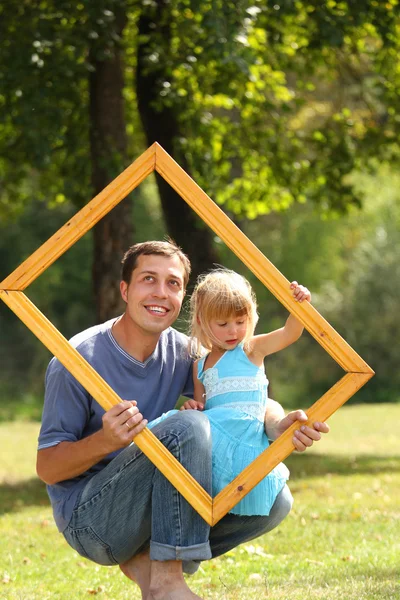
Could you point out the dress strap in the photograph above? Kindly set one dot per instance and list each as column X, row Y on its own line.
column 200, row 367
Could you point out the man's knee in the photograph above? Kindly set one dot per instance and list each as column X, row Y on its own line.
column 196, row 419
column 193, row 426
column 282, row 505
column 187, row 436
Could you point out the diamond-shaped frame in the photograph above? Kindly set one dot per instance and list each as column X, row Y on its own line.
column 156, row 158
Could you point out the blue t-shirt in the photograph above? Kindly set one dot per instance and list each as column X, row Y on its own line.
column 70, row 413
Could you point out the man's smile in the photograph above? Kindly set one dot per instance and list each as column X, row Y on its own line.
column 156, row 310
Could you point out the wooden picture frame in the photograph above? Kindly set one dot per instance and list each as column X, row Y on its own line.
column 156, row 159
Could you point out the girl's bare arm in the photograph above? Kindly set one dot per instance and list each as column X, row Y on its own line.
column 269, row 343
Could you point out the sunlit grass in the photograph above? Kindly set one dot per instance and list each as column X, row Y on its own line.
column 342, row 539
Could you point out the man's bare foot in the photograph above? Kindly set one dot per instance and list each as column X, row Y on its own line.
column 137, row 569
column 167, row 582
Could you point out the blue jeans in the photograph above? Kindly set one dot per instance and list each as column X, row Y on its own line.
column 130, row 506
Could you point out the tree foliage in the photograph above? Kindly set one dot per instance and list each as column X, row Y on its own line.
column 43, row 92
column 285, row 100
column 277, row 101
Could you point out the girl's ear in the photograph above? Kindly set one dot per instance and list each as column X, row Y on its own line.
column 198, row 320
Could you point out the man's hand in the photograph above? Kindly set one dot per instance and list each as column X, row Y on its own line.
column 305, row 436
column 192, row 405
column 121, row 423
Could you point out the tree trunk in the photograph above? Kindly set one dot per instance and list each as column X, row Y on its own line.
column 108, row 143
column 161, row 124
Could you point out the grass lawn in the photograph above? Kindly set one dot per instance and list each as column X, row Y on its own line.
column 341, row 541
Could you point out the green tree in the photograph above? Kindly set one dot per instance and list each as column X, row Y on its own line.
column 62, row 91
column 282, row 104
column 266, row 104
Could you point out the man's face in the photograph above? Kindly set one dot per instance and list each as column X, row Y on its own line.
column 155, row 293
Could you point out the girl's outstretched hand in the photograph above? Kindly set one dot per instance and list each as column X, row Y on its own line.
column 192, row 405
column 300, row 292
column 304, row 436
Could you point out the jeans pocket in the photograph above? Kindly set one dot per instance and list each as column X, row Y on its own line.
column 89, row 545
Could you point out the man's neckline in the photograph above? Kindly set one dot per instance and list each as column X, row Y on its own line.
column 133, row 359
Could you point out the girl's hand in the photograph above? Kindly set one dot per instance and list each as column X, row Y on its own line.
column 300, row 292
column 192, row 405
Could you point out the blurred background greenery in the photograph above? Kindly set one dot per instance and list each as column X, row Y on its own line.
column 287, row 114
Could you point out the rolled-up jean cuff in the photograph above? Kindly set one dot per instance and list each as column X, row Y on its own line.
column 189, row 553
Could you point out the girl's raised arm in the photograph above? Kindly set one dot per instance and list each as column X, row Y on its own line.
column 269, row 343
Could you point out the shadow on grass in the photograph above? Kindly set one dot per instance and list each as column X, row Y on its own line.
column 316, row 465
column 32, row 492
column 17, row 496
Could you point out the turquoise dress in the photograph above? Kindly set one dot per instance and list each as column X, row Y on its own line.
column 236, row 400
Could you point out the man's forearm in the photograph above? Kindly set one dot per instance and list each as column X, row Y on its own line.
column 274, row 413
column 70, row 459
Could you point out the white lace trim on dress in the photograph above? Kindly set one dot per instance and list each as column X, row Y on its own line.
column 254, row 409
column 215, row 386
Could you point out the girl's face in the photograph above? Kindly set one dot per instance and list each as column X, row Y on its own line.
column 229, row 332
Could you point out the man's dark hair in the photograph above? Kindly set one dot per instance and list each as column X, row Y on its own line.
column 166, row 248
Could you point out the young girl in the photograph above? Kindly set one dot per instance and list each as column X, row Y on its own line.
column 230, row 384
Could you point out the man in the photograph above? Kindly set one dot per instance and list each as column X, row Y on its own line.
column 110, row 502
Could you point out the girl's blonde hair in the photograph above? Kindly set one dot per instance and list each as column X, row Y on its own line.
column 220, row 294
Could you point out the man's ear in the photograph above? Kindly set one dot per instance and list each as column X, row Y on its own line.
column 123, row 287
